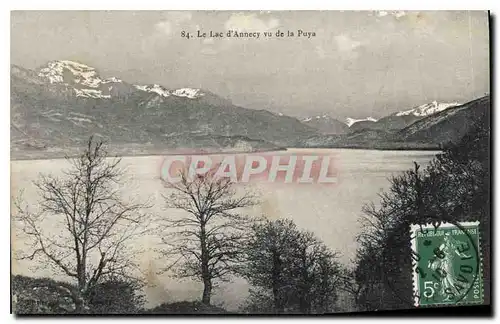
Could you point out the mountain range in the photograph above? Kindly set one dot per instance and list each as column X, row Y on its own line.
column 326, row 124
column 395, row 121
column 427, row 132
column 56, row 107
column 351, row 121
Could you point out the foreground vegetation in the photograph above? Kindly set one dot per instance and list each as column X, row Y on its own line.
column 47, row 296
column 289, row 269
column 454, row 188
column 89, row 241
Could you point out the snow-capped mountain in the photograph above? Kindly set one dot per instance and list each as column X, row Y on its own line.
column 188, row 93
column 325, row 124
column 409, row 131
column 59, row 105
column 56, row 72
column 87, row 83
column 427, row 109
column 350, row 121
column 449, row 125
column 308, row 119
column 64, row 102
column 154, row 88
column 84, row 79
column 401, row 119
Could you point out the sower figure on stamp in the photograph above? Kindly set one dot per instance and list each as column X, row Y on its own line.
column 442, row 263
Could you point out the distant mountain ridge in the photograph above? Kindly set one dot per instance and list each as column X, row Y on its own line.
column 427, row 109
column 450, row 124
column 326, row 124
column 61, row 104
column 55, row 108
column 395, row 121
column 350, row 121
column 428, row 132
column 401, row 119
column 87, row 83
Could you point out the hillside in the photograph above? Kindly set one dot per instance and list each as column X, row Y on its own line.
column 401, row 119
column 431, row 132
column 449, row 125
column 55, row 108
column 326, row 124
column 58, row 106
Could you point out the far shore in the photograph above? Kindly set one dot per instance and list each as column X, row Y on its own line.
column 72, row 152
column 58, row 155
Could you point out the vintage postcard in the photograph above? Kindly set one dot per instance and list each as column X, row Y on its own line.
column 249, row 162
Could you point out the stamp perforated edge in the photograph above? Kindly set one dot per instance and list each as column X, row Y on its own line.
column 413, row 244
column 443, row 225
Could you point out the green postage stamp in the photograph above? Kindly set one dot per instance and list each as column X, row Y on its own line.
column 447, row 265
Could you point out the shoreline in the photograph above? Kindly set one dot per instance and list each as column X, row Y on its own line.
column 58, row 156
column 24, row 156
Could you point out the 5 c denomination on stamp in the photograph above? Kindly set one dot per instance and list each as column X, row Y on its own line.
column 446, row 264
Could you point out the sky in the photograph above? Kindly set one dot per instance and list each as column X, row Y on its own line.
column 358, row 64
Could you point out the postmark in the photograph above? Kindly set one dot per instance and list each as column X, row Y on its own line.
column 447, row 265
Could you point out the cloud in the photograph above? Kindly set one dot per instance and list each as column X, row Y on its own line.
column 208, row 47
column 173, row 19
column 164, row 27
column 208, row 41
column 250, row 23
column 208, row 51
column 179, row 16
column 394, row 13
column 346, row 47
column 399, row 14
column 320, row 51
column 346, row 44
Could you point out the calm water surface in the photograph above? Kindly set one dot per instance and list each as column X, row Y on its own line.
column 331, row 212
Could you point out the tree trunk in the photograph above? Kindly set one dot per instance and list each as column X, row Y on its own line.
column 304, row 287
column 207, row 291
column 304, row 302
column 80, row 269
column 276, row 284
column 205, row 272
column 79, row 305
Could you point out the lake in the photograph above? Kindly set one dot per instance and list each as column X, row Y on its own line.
column 330, row 211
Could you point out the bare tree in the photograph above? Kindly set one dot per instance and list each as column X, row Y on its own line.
column 208, row 238
column 95, row 223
